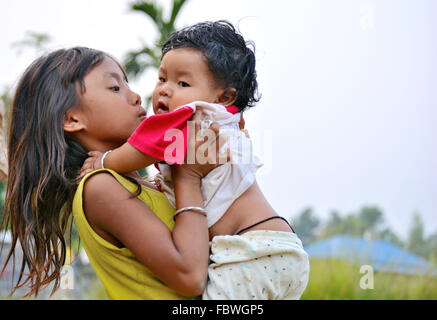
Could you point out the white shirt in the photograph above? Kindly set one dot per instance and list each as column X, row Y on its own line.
column 224, row 184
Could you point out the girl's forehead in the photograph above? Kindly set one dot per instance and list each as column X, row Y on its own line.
column 110, row 68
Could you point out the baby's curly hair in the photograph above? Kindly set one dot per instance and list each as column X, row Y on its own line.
column 230, row 58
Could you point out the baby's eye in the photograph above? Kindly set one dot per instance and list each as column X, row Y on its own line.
column 183, row 84
column 161, row 79
column 115, row 88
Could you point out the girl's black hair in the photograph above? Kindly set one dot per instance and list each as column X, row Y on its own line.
column 230, row 58
column 44, row 163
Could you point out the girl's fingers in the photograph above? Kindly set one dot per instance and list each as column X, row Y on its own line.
column 196, row 120
column 246, row 133
column 83, row 173
column 215, row 127
column 94, row 153
column 242, row 122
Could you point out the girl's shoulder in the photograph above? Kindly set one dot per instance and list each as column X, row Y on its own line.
column 102, row 191
column 104, row 183
column 98, row 195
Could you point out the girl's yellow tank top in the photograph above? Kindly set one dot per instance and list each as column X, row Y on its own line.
column 123, row 276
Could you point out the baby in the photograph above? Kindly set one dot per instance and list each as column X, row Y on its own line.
column 255, row 253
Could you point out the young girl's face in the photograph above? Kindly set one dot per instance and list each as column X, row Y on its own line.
column 184, row 77
column 110, row 111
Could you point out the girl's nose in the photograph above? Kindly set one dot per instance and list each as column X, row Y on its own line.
column 135, row 99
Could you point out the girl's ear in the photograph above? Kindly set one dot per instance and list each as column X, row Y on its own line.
column 73, row 123
column 227, row 97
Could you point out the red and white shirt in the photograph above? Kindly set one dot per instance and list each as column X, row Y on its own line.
column 165, row 137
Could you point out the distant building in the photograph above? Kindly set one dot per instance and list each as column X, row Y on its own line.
column 381, row 255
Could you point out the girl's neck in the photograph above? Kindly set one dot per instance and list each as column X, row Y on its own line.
column 134, row 174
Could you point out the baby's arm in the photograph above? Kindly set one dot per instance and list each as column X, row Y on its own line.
column 149, row 137
column 123, row 159
column 127, row 159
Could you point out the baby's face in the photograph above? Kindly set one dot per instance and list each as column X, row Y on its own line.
column 184, row 77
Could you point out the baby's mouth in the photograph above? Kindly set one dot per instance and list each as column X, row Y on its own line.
column 162, row 108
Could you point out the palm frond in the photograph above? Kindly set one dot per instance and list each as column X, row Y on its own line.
column 177, row 6
column 151, row 9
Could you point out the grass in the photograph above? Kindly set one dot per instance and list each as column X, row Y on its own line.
column 329, row 280
column 338, row 280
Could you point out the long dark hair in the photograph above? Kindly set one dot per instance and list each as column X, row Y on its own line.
column 44, row 163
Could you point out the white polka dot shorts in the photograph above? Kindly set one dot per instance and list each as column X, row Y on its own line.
column 257, row 265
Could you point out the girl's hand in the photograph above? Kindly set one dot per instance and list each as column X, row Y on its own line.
column 242, row 125
column 92, row 163
column 202, row 154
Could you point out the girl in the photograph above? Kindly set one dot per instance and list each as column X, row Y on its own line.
column 68, row 103
column 255, row 253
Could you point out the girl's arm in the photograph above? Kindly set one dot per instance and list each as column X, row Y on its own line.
column 178, row 258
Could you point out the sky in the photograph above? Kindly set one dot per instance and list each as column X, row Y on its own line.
column 349, row 91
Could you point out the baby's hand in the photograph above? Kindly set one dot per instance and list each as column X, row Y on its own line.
column 92, row 163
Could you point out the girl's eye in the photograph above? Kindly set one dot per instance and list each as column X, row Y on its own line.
column 161, row 79
column 183, row 84
column 115, row 88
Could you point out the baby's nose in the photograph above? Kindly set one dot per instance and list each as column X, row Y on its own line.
column 165, row 90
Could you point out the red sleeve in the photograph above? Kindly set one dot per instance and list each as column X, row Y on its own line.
column 164, row 136
column 232, row 109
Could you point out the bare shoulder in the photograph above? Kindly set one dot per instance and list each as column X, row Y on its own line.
column 104, row 202
column 103, row 185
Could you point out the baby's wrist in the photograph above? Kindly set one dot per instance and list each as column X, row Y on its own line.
column 104, row 157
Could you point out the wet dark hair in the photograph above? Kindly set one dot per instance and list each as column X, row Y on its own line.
column 44, row 163
column 230, row 58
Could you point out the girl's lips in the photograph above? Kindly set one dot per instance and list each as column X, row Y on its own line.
column 143, row 114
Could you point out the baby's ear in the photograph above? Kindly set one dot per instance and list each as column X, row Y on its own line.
column 228, row 97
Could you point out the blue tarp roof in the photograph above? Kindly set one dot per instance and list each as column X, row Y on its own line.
column 381, row 255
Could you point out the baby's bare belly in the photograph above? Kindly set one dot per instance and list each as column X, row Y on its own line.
column 250, row 208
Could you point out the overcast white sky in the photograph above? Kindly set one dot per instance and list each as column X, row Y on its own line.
column 348, row 113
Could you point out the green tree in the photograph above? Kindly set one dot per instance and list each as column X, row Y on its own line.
column 149, row 56
column 387, row 234
column 431, row 241
column 331, row 227
column 7, row 98
column 370, row 218
column 416, row 241
column 364, row 222
column 36, row 41
column 305, row 225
